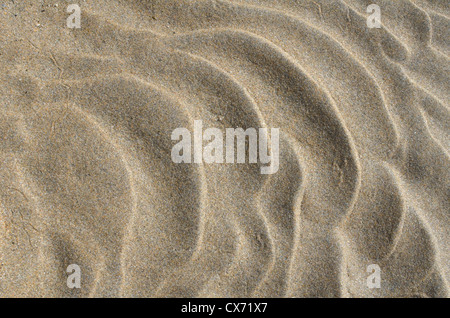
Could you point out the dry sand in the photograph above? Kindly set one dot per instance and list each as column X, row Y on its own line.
column 87, row 178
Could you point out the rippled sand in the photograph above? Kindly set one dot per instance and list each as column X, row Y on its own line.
column 87, row 177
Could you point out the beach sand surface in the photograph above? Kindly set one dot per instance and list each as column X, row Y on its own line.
column 87, row 178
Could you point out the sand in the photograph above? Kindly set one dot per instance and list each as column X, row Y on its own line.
column 85, row 143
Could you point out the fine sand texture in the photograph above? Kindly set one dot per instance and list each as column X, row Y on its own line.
column 87, row 177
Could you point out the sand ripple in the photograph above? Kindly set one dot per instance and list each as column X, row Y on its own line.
column 87, row 176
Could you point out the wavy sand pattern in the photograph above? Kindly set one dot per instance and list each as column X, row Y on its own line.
column 87, row 177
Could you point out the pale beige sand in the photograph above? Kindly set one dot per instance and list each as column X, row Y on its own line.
column 87, row 178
